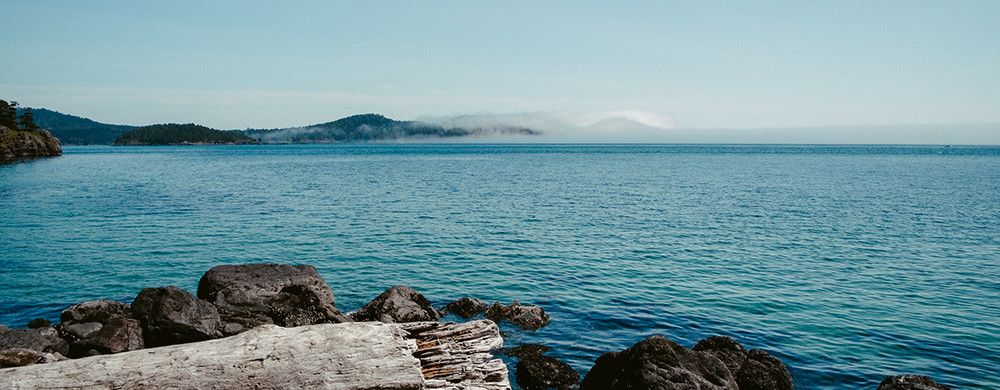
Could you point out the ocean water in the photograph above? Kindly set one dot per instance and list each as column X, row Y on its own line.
column 849, row 263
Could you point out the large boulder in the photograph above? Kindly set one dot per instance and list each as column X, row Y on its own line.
column 396, row 305
column 726, row 349
column 465, row 307
column 118, row 335
column 761, row 371
column 254, row 294
column 658, row 363
column 101, row 311
column 297, row 305
column 910, row 382
column 170, row 315
column 540, row 372
column 40, row 339
column 528, row 317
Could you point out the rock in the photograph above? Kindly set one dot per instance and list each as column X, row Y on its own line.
column 41, row 340
column 3, row 328
column 82, row 330
column 761, row 371
column 101, row 311
column 465, row 307
column 169, row 315
column 658, row 363
column 119, row 335
column 526, row 350
column 244, row 294
column 39, row 323
column 726, row 349
column 543, row 372
column 16, row 357
column 20, row 145
column 297, row 305
column 910, row 382
column 528, row 317
column 396, row 305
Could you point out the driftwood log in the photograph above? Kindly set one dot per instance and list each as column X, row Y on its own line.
column 360, row 355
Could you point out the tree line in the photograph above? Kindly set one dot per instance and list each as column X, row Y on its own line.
column 9, row 119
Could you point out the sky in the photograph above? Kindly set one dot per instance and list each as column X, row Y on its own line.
column 666, row 64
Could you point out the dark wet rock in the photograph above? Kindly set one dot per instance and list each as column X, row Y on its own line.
column 169, row 315
column 523, row 351
column 529, row 317
column 726, row 349
column 245, row 294
column 17, row 357
column 101, row 311
column 3, row 328
column 658, row 363
column 539, row 372
column 465, row 307
column 39, row 323
column 910, row 382
column 398, row 304
column 119, row 335
column 761, row 371
column 41, row 340
column 297, row 305
column 81, row 330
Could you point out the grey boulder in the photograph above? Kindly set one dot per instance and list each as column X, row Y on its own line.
column 396, row 305
column 658, row 363
column 170, row 315
column 528, row 317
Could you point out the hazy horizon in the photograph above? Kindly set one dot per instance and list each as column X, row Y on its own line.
column 891, row 72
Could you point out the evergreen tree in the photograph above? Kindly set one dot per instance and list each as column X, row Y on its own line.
column 28, row 121
column 8, row 114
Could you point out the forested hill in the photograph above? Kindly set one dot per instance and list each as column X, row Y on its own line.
column 373, row 127
column 74, row 130
column 178, row 134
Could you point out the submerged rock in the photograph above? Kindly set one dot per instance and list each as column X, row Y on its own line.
column 761, row 371
column 39, row 323
column 249, row 295
column 529, row 317
column 465, row 307
column 910, row 382
column 658, row 363
column 726, row 349
column 169, row 315
column 526, row 350
column 398, row 304
column 540, row 372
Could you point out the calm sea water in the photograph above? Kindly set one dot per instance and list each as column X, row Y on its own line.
column 849, row 263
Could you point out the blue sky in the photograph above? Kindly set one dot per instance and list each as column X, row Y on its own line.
column 699, row 64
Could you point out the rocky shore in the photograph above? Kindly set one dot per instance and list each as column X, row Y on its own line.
column 16, row 145
column 273, row 326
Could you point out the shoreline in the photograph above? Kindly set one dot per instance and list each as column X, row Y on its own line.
column 234, row 299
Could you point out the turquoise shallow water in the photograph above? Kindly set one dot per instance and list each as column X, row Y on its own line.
column 849, row 263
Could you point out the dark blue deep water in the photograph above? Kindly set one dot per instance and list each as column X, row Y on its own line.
column 848, row 262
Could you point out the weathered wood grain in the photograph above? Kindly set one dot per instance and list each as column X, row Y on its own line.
column 365, row 355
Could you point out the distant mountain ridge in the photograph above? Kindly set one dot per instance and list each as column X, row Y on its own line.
column 374, row 127
column 75, row 130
